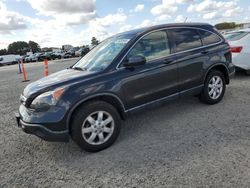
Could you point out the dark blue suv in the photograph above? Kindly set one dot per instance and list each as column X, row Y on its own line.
column 124, row 74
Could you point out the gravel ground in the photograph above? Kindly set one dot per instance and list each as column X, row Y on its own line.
column 184, row 144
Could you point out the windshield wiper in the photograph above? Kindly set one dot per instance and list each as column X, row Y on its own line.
column 79, row 68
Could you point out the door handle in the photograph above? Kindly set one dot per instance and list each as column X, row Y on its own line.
column 204, row 52
column 167, row 61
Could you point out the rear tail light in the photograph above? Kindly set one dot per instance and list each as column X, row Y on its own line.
column 236, row 49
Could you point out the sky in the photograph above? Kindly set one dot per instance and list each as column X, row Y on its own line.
column 53, row 23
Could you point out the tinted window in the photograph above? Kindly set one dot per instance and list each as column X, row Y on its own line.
column 208, row 37
column 152, row 46
column 186, row 39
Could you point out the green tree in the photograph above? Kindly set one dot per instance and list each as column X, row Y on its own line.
column 34, row 46
column 226, row 25
column 19, row 47
column 94, row 41
column 3, row 52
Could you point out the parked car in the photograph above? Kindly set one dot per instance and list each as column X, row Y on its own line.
column 240, row 47
column 23, row 58
column 32, row 57
column 27, row 58
column 67, row 55
column 45, row 55
column 126, row 73
column 81, row 52
column 9, row 59
column 72, row 52
column 56, row 55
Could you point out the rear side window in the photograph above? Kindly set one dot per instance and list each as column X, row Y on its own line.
column 186, row 39
column 235, row 35
column 208, row 37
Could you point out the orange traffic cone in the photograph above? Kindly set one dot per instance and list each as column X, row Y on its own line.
column 24, row 72
column 46, row 68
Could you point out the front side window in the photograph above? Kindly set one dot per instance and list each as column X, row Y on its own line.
column 186, row 39
column 208, row 37
column 152, row 46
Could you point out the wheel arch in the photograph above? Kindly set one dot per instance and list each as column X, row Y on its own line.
column 220, row 67
column 110, row 98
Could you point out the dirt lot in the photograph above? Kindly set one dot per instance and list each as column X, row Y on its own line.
column 184, row 143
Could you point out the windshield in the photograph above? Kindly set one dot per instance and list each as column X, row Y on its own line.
column 235, row 35
column 103, row 54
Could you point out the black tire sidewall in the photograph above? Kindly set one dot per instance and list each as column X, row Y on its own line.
column 82, row 113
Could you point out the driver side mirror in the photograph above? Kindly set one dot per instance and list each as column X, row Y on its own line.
column 135, row 61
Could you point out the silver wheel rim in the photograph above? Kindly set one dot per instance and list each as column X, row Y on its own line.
column 215, row 87
column 98, row 127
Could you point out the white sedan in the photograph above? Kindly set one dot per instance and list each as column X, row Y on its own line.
column 239, row 42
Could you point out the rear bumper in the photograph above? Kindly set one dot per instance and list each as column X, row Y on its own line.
column 42, row 132
column 242, row 67
column 241, row 60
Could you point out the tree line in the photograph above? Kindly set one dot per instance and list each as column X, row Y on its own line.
column 227, row 25
column 22, row 47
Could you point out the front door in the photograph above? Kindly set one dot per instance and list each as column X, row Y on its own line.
column 156, row 79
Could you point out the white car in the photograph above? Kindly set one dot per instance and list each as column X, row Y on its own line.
column 9, row 59
column 239, row 42
column 32, row 58
column 78, row 53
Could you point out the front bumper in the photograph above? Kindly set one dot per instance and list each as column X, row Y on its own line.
column 41, row 131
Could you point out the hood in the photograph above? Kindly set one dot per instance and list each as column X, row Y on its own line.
column 55, row 80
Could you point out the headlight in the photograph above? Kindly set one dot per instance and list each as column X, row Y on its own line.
column 47, row 99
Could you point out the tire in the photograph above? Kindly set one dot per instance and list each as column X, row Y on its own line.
column 91, row 140
column 207, row 95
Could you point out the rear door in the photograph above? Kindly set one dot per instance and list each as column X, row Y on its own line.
column 190, row 57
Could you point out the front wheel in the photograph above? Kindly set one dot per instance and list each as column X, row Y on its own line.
column 214, row 88
column 95, row 126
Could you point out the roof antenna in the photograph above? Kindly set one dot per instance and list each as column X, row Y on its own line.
column 186, row 20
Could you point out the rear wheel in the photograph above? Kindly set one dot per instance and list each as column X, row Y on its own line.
column 95, row 126
column 214, row 88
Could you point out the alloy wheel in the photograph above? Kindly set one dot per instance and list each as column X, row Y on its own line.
column 98, row 127
column 215, row 87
